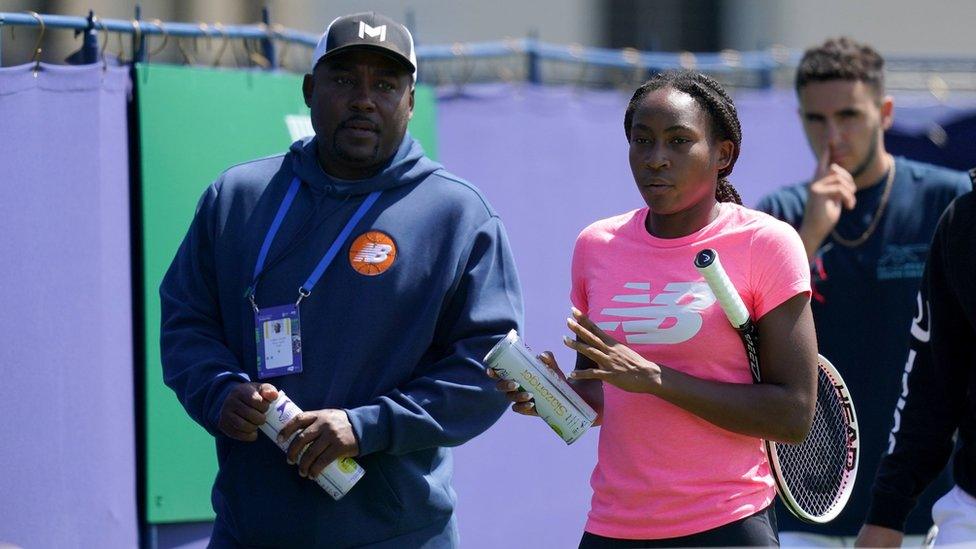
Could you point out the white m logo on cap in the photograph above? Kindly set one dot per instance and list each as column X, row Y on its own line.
column 365, row 30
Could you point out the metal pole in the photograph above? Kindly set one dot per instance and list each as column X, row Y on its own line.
column 89, row 42
column 411, row 24
column 267, row 46
column 411, row 21
column 138, row 39
column 532, row 57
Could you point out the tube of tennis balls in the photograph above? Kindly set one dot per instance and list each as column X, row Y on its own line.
column 339, row 476
column 555, row 400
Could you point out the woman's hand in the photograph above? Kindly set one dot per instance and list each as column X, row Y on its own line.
column 616, row 363
column 521, row 400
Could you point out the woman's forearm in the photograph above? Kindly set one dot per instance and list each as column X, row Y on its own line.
column 762, row 410
column 591, row 392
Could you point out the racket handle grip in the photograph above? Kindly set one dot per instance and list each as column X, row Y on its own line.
column 710, row 267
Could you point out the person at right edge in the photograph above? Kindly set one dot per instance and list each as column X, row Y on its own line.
column 866, row 220
column 939, row 396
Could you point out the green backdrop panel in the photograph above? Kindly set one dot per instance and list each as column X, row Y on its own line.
column 194, row 123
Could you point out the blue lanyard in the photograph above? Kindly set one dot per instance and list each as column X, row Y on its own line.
column 306, row 289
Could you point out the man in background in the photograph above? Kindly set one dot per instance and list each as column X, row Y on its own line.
column 866, row 220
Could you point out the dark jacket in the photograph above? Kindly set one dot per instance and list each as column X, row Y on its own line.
column 400, row 351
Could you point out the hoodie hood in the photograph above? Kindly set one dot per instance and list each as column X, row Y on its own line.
column 407, row 166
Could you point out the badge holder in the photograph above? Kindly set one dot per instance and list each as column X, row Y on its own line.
column 278, row 338
column 277, row 330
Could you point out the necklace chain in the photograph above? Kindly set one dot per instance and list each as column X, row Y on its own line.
column 874, row 220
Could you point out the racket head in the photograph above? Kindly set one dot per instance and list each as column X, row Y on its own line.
column 816, row 477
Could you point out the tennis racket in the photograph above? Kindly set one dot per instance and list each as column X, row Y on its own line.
column 814, row 478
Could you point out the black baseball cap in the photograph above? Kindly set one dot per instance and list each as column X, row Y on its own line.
column 368, row 30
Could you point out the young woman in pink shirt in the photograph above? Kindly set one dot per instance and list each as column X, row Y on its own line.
column 680, row 460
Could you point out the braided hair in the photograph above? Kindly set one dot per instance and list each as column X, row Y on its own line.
column 713, row 98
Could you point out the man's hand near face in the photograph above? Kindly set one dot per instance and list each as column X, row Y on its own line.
column 831, row 191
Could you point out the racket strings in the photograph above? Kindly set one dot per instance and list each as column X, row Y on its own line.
column 815, row 471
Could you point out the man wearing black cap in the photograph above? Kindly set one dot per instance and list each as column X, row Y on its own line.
column 393, row 278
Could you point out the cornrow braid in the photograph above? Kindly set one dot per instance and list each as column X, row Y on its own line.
column 721, row 110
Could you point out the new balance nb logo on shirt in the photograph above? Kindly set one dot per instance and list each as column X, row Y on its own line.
column 373, row 253
column 671, row 316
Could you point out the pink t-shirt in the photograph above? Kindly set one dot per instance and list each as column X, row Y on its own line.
column 663, row 472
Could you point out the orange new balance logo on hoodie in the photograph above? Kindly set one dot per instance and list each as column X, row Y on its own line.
column 372, row 253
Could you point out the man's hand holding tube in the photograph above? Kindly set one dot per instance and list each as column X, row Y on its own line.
column 521, row 400
column 328, row 434
column 242, row 412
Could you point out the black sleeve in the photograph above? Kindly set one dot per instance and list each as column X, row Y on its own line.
column 933, row 396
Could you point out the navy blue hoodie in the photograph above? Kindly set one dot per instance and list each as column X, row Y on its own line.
column 399, row 351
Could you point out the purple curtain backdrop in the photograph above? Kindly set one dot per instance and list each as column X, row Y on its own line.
column 551, row 161
column 67, row 440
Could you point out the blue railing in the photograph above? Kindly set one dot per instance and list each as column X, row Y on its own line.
column 534, row 51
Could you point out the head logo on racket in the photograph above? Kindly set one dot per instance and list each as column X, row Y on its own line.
column 372, row 253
